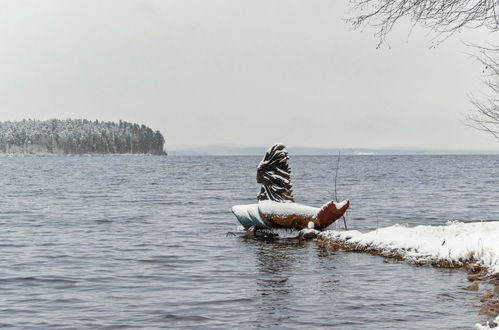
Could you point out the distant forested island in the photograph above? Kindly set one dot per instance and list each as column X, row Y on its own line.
column 78, row 136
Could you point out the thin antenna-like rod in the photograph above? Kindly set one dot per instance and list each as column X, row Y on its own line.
column 335, row 191
column 345, row 222
column 336, row 176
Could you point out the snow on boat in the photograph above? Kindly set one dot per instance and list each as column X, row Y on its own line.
column 276, row 207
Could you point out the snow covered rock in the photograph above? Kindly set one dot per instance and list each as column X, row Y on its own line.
column 488, row 325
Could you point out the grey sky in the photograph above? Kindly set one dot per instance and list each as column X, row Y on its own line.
column 243, row 72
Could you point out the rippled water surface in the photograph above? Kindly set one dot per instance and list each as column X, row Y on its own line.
column 141, row 242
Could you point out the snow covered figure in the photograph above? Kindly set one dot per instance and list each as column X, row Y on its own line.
column 273, row 174
column 276, row 207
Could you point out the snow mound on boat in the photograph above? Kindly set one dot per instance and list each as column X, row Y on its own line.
column 287, row 209
column 456, row 243
column 290, row 208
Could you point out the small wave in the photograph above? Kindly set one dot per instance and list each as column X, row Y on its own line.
column 185, row 317
column 57, row 280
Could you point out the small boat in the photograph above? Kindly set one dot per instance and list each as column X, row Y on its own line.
column 276, row 207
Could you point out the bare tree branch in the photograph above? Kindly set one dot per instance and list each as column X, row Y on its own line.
column 445, row 17
column 442, row 16
column 486, row 115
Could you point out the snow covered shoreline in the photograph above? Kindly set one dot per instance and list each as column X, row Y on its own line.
column 454, row 245
column 474, row 246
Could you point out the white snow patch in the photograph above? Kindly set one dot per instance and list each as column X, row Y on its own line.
column 488, row 325
column 340, row 204
column 455, row 242
column 308, row 233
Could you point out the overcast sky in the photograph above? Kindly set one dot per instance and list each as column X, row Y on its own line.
column 246, row 72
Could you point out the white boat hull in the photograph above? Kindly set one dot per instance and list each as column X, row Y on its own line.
column 248, row 216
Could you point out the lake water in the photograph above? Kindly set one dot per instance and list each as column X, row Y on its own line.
column 117, row 242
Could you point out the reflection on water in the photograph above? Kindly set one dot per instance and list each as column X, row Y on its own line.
column 306, row 284
column 273, row 262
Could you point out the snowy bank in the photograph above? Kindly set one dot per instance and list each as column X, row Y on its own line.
column 455, row 244
column 471, row 245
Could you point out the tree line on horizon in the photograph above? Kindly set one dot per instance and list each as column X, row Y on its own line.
column 78, row 136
